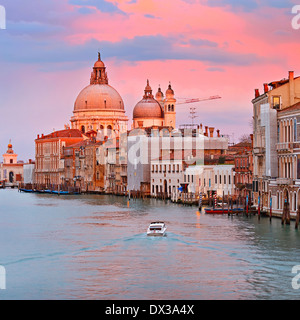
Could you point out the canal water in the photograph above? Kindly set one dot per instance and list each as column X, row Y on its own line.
column 96, row 247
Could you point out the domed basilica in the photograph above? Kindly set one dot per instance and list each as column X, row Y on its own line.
column 99, row 107
column 158, row 112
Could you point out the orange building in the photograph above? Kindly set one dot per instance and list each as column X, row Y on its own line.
column 49, row 168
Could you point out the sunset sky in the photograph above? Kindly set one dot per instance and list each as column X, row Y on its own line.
column 204, row 47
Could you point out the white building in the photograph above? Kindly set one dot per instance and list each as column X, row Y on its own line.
column 166, row 175
column 204, row 178
column 29, row 172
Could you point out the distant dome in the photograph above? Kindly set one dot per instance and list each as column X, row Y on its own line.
column 169, row 92
column 148, row 108
column 159, row 95
column 98, row 97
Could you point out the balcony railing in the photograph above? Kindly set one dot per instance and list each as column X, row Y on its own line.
column 285, row 146
column 285, row 181
column 259, row 151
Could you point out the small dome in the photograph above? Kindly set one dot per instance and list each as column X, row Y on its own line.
column 159, row 95
column 148, row 108
column 169, row 92
column 98, row 97
column 99, row 64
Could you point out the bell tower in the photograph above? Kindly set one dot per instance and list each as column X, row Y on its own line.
column 170, row 108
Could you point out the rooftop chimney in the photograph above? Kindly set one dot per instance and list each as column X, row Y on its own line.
column 211, row 131
column 218, row 133
column 266, row 88
column 257, row 93
column 292, row 88
column 206, row 131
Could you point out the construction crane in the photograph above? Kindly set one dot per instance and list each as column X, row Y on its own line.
column 197, row 99
column 194, row 100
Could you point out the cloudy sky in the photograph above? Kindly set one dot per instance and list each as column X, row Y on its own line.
column 204, row 47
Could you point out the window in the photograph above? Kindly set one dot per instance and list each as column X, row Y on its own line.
column 229, row 178
column 276, row 102
column 216, row 179
column 224, row 179
column 220, row 179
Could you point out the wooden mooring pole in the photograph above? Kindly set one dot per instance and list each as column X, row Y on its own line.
column 297, row 217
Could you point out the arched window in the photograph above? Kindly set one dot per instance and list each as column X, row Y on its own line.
column 83, row 129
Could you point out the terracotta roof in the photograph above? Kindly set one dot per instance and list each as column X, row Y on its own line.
column 68, row 133
column 294, row 107
column 84, row 143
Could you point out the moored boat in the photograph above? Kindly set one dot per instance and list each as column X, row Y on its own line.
column 222, row 211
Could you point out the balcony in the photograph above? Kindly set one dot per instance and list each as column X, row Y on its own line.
column 259, row 151
column 284, row 181
column 285, row 147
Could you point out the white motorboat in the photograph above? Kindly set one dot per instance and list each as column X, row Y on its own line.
column 157, row 228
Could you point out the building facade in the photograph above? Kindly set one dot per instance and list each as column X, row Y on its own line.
column 11, row 171
column 273, row 129
column 49, row 155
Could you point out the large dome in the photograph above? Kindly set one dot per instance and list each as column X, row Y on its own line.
column 98, row 97
column 148, row 108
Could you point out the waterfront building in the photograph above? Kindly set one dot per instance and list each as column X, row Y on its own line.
column 49, row 162
column 11, row 170
column 287, row 185
column 99, row 106
column 243, row 167
column 268, row 107
column 29, row 172
column 81, row 169
column 218, row 179
column 115, row 159
column 191, row 148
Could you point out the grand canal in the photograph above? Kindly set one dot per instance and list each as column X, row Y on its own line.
column 95, row 247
